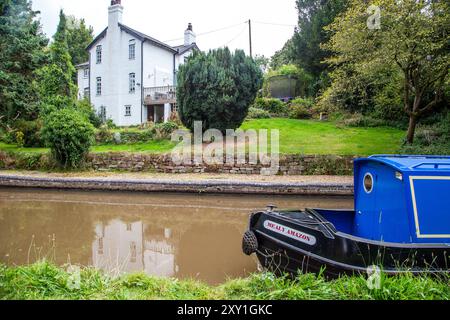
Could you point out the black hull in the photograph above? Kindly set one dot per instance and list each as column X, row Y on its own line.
column 333, row 253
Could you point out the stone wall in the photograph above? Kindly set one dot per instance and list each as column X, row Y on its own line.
column 289, row 165
column 133, row 162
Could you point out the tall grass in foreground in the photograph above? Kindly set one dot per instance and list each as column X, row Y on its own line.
column 46, row 281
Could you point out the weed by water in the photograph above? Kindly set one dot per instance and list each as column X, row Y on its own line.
column 44, row 280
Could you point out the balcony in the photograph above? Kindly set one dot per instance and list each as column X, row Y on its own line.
column 160, row 95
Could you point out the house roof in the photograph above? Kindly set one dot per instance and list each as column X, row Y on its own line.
column 97, row 38
column 145, row 37
column 182, row 49
column 82, row 65
column 141, row 36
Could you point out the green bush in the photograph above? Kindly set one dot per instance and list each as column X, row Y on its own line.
column 31, row 131
column 255, row 113
column 128, row 137
column 69, row 136
column 433, row 139
column 104, row 135
column 164, row 130
column 271, row 105
column 110, row 124
column 20, row 139
column 359, row 120
column 217, row 88
column 301, row 108
column 89, row 111
column 299, row 112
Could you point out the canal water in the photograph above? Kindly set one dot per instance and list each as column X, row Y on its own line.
column 165, row 235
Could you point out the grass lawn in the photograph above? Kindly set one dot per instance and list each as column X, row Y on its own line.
column 296, row 137
column 161, row 146
column 314, row 137
column 151, row 147
column 46, row 281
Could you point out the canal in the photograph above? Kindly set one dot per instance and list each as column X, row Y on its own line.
column 164, row 235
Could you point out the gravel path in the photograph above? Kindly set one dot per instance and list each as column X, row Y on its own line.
column 185, row 177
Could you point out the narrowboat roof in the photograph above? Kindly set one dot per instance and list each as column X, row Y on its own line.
column 412, row 163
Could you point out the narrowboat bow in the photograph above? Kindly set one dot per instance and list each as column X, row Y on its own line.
column 401, row 222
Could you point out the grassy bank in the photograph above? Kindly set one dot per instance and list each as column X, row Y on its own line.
column 160, row 146
column 45, row 281
column 296, row 137
column 316, row 137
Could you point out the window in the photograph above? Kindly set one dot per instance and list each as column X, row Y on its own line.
column 368, row 183
column 132, row 82
column 86, row 73
column 100, row 246
column 99, row 54
column 132, row 50
column 133, row 252
column 86, row 92
column 127, row 111
column 99, row 86
column 103, row 113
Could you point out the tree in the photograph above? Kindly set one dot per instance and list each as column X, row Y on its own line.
column 56, row 79
column 217, row 88
column 413, row 37
column 69, row 135
column 21, row 54
column 313, row 16
column 284, row 56
column 262, row 62
column 79, row 36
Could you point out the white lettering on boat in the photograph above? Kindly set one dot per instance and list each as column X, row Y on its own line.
column 289, row 232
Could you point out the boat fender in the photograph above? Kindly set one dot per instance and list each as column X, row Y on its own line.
column 249, row 243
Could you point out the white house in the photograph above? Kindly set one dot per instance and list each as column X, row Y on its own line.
column 131, row 77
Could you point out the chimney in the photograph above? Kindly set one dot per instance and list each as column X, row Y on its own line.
column 189, row 35
column 115, row 12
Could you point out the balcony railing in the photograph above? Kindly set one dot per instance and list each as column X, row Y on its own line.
column 160, row 95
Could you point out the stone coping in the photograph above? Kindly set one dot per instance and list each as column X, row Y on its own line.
column 172, row 185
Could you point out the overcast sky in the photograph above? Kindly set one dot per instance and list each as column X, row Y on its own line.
column 167, row 19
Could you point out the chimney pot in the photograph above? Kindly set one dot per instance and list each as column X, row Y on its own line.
column 189, row 35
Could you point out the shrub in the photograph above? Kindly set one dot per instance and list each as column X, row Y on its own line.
column 164, row 130
column 104, row 135
column 20, row 139
column 301, row 108
column 217, row 88
column 31, row 131
column 432, row 139
column 110, row 124
column 69, row 136
column 359, row 120
column 88, row 109
column 175, row 118
column 136, row 136
column 3, row 135
column 255, row 113
column 271, row 105
column 299, row 112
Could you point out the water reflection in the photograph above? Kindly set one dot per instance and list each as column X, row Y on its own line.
column 168, row 235
column 122, row 246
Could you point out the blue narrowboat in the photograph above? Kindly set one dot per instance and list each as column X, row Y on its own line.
column 401, row 222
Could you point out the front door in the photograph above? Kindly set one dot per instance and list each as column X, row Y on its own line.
column 151, row 114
